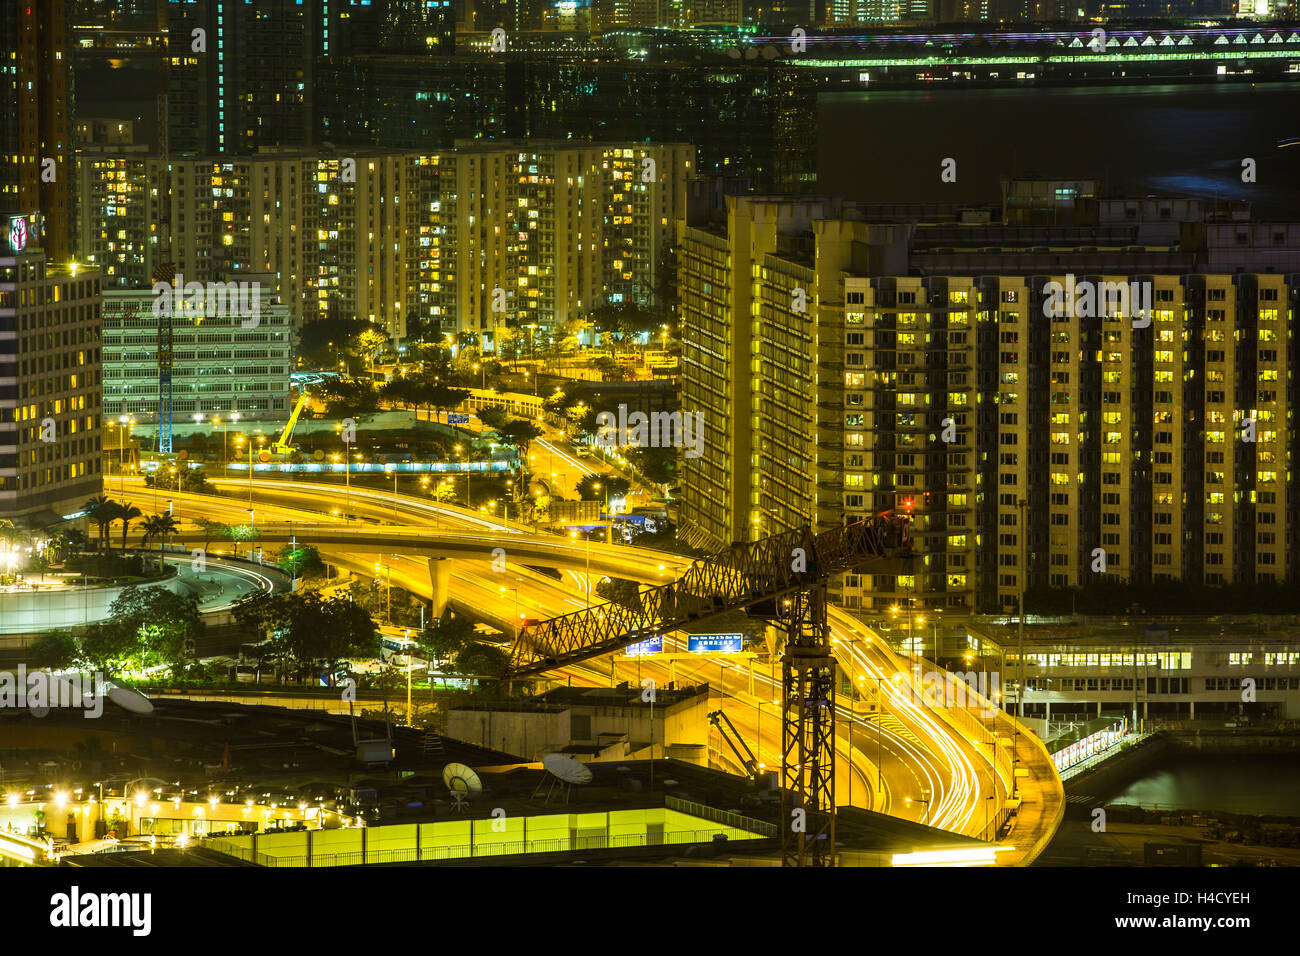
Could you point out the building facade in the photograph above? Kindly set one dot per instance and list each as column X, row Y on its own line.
column 49, row 386
column 221, row 363
column 1113, row 442
column 524, row 235
column 36, row 120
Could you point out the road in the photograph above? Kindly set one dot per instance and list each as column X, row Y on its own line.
column 928, row 764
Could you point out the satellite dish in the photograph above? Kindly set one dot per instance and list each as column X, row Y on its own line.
column 567, row 769
column 461, row 779
column 128, row 699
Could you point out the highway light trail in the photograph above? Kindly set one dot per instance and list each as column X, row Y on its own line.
column 923, row 755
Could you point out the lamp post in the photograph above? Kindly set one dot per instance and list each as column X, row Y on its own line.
column 393, row 472
column 587, row 587
column 1020, row 661
column 469, row 503
column 409, row 662
column 609, row 525
column 225, row 423
column 758, row 729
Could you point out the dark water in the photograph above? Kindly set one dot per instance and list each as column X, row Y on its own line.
column 887, row 146
column 1264, row 784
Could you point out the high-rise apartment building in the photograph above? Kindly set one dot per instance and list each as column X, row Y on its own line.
column 49, row 382
column 35, row 120
column 1134, row 440
column 417, row 243
column 116, row 194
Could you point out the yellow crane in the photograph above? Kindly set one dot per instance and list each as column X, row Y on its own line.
column 281, row 445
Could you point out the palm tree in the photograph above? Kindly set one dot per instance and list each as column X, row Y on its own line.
column 160, row 527
column 125, row 513
column 102, row 511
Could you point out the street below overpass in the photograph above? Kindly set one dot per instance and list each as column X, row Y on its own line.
column 947, row 767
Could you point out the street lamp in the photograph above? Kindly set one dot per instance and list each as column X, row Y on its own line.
column 609, row 525
column 758, row 731
column 225, row 423
column 393, row 471
column 503, row 589
column 587, row 582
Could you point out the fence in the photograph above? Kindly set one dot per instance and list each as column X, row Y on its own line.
column 504, row 848
column 1122, row 744
column 725, row 817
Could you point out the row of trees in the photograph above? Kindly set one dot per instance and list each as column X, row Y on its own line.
column 358, row 395
column 104, row 512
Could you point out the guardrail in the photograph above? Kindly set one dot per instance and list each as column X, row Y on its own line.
column 1124, row 743
column 725, row 817
column 477, row 850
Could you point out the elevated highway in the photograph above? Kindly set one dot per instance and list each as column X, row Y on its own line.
column 946, row 767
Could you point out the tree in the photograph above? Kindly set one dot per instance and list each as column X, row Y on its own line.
column 126, row 513
column 108, row 648
column 610, row 487
column 241, row 532
column 620, row 591
column 163, row 627
column 521, row 433
column 370, row 343
column 160, row 527
column 493, row 417
column 57, row 650
column 102, row 512
column 482, row 660
column 309, row 633
column 195, row 481
column 302, row 562
column 443, row 397
column 610, row 370
column 211, row 529
column 447, row 637
column 657, row 464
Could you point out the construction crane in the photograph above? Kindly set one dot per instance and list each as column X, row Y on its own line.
column 281, row 445
column 164, row 269
column 747, row 759
column 782, row 579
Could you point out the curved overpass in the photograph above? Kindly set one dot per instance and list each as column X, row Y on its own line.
column 944, row 765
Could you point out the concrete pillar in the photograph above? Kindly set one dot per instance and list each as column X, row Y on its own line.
column 440, row 580
column 1047, row 713
column 1098, row 708
column 1192, row 714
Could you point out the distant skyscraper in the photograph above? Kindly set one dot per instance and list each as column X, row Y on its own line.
column 35, row 120
column 240, row 76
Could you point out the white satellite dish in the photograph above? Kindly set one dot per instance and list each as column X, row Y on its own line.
column 567, row 769
column 461, row 779
column 129, row 699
